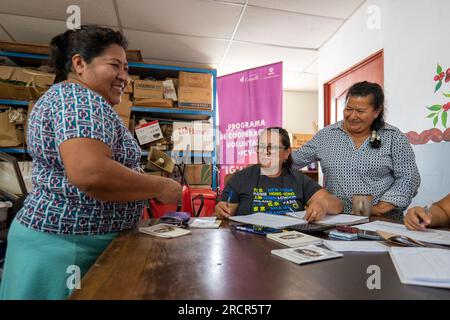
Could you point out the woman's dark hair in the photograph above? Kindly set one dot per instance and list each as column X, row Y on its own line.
column 364, row 89
column 89, row 41
column 285, row 141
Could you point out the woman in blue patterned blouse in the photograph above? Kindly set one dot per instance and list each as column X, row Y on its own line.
column 364, row 155
column 87, row 184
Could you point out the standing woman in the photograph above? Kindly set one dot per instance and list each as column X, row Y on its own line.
column 364, row 155
column 86, row 181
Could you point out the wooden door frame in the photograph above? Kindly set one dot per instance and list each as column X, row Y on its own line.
column 327, row 85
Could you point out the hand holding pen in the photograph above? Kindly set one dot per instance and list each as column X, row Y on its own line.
column 418, row 218
column 223, row 209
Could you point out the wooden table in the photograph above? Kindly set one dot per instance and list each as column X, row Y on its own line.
column 225, row 264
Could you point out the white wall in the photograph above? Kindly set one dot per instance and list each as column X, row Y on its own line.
column 299, row 111
column 414, row 39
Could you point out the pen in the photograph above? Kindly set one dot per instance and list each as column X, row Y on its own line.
column 230, row 195
column 427, row 212
column 250, row 230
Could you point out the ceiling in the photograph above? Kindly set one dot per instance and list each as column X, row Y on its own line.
column 229, row 35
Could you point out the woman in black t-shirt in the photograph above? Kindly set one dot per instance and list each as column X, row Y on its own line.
column 272, row 186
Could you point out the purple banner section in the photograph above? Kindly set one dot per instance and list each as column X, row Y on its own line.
column 249, row 101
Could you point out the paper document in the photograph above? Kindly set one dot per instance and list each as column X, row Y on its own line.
column 356, row 246
column 422, row 266
column 205, row 223
column 431, row 235
column 268, row 220
column 332, row 219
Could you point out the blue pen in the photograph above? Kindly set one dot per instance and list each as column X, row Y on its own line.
column 250, row 230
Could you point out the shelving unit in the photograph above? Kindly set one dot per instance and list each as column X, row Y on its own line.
column 166, row 115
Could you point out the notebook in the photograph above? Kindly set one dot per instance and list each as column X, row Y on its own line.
column 306, row 254
column 294, row 239
column 356, row 246
column 422, row 266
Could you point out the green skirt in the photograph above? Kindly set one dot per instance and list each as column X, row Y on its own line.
column 40, row 265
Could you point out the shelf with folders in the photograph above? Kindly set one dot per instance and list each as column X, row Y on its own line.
column 143, row 70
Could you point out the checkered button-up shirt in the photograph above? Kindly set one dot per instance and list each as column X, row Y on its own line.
column 389, row 173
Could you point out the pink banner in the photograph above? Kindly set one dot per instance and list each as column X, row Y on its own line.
column 249, row 101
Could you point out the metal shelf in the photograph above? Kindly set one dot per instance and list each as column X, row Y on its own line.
column 14, row 150
column 175, row 113
column 159, row 70
column 11, row 102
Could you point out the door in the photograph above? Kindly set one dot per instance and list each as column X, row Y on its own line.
column 370, row 69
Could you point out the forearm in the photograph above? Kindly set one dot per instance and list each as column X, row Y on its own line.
column 334, row 205
column 439, row 218
column 111, row 181
column 382, row 207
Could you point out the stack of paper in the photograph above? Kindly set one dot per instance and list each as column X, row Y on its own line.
column 306, row 254
column 294, row 239
column 205, row 223
column 422, row 266
column 430, row 235
column 164, row 230
column 356, row 246
column 332, row 219
column 268, row 220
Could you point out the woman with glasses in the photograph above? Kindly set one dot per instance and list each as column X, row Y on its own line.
column 272, row 186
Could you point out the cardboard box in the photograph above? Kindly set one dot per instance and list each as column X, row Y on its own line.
column 35, row 83
column 123, row 109
column 299, row 139
column 148, row 89
column 148, row 132
column 129, row 87
column 155, row 103
column 195, row 98
column 195, row 80
column 195, row 136
column 198, row 174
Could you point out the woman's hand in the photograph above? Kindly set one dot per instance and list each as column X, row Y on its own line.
column 316, row 210
column 224, row 209
column 417, row 219
column 171, row 191
column 381, row 208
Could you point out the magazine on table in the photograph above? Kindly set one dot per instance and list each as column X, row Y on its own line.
column 294, row 239
column 164, row 230
column 307, row 254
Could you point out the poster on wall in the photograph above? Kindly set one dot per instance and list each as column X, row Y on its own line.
column 249, row 101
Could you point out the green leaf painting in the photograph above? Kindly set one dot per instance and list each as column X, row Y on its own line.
column 444, row 119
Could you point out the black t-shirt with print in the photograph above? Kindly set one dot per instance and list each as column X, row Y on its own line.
column 259, row 193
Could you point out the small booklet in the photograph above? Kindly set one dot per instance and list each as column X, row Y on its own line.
column 164, row 230
column 306, row 254
column 205, row 223
column 294, row 239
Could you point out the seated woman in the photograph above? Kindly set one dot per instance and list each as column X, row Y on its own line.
column 272, row 186
column 438, row 216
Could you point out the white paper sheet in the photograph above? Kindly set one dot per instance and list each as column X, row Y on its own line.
column 268, row 220
column 356, row 246
column 205, row 223
column 422, row 266
column 431, row 235
column 332, row 219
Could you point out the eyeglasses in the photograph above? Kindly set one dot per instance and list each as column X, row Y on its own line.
column 270, row 148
